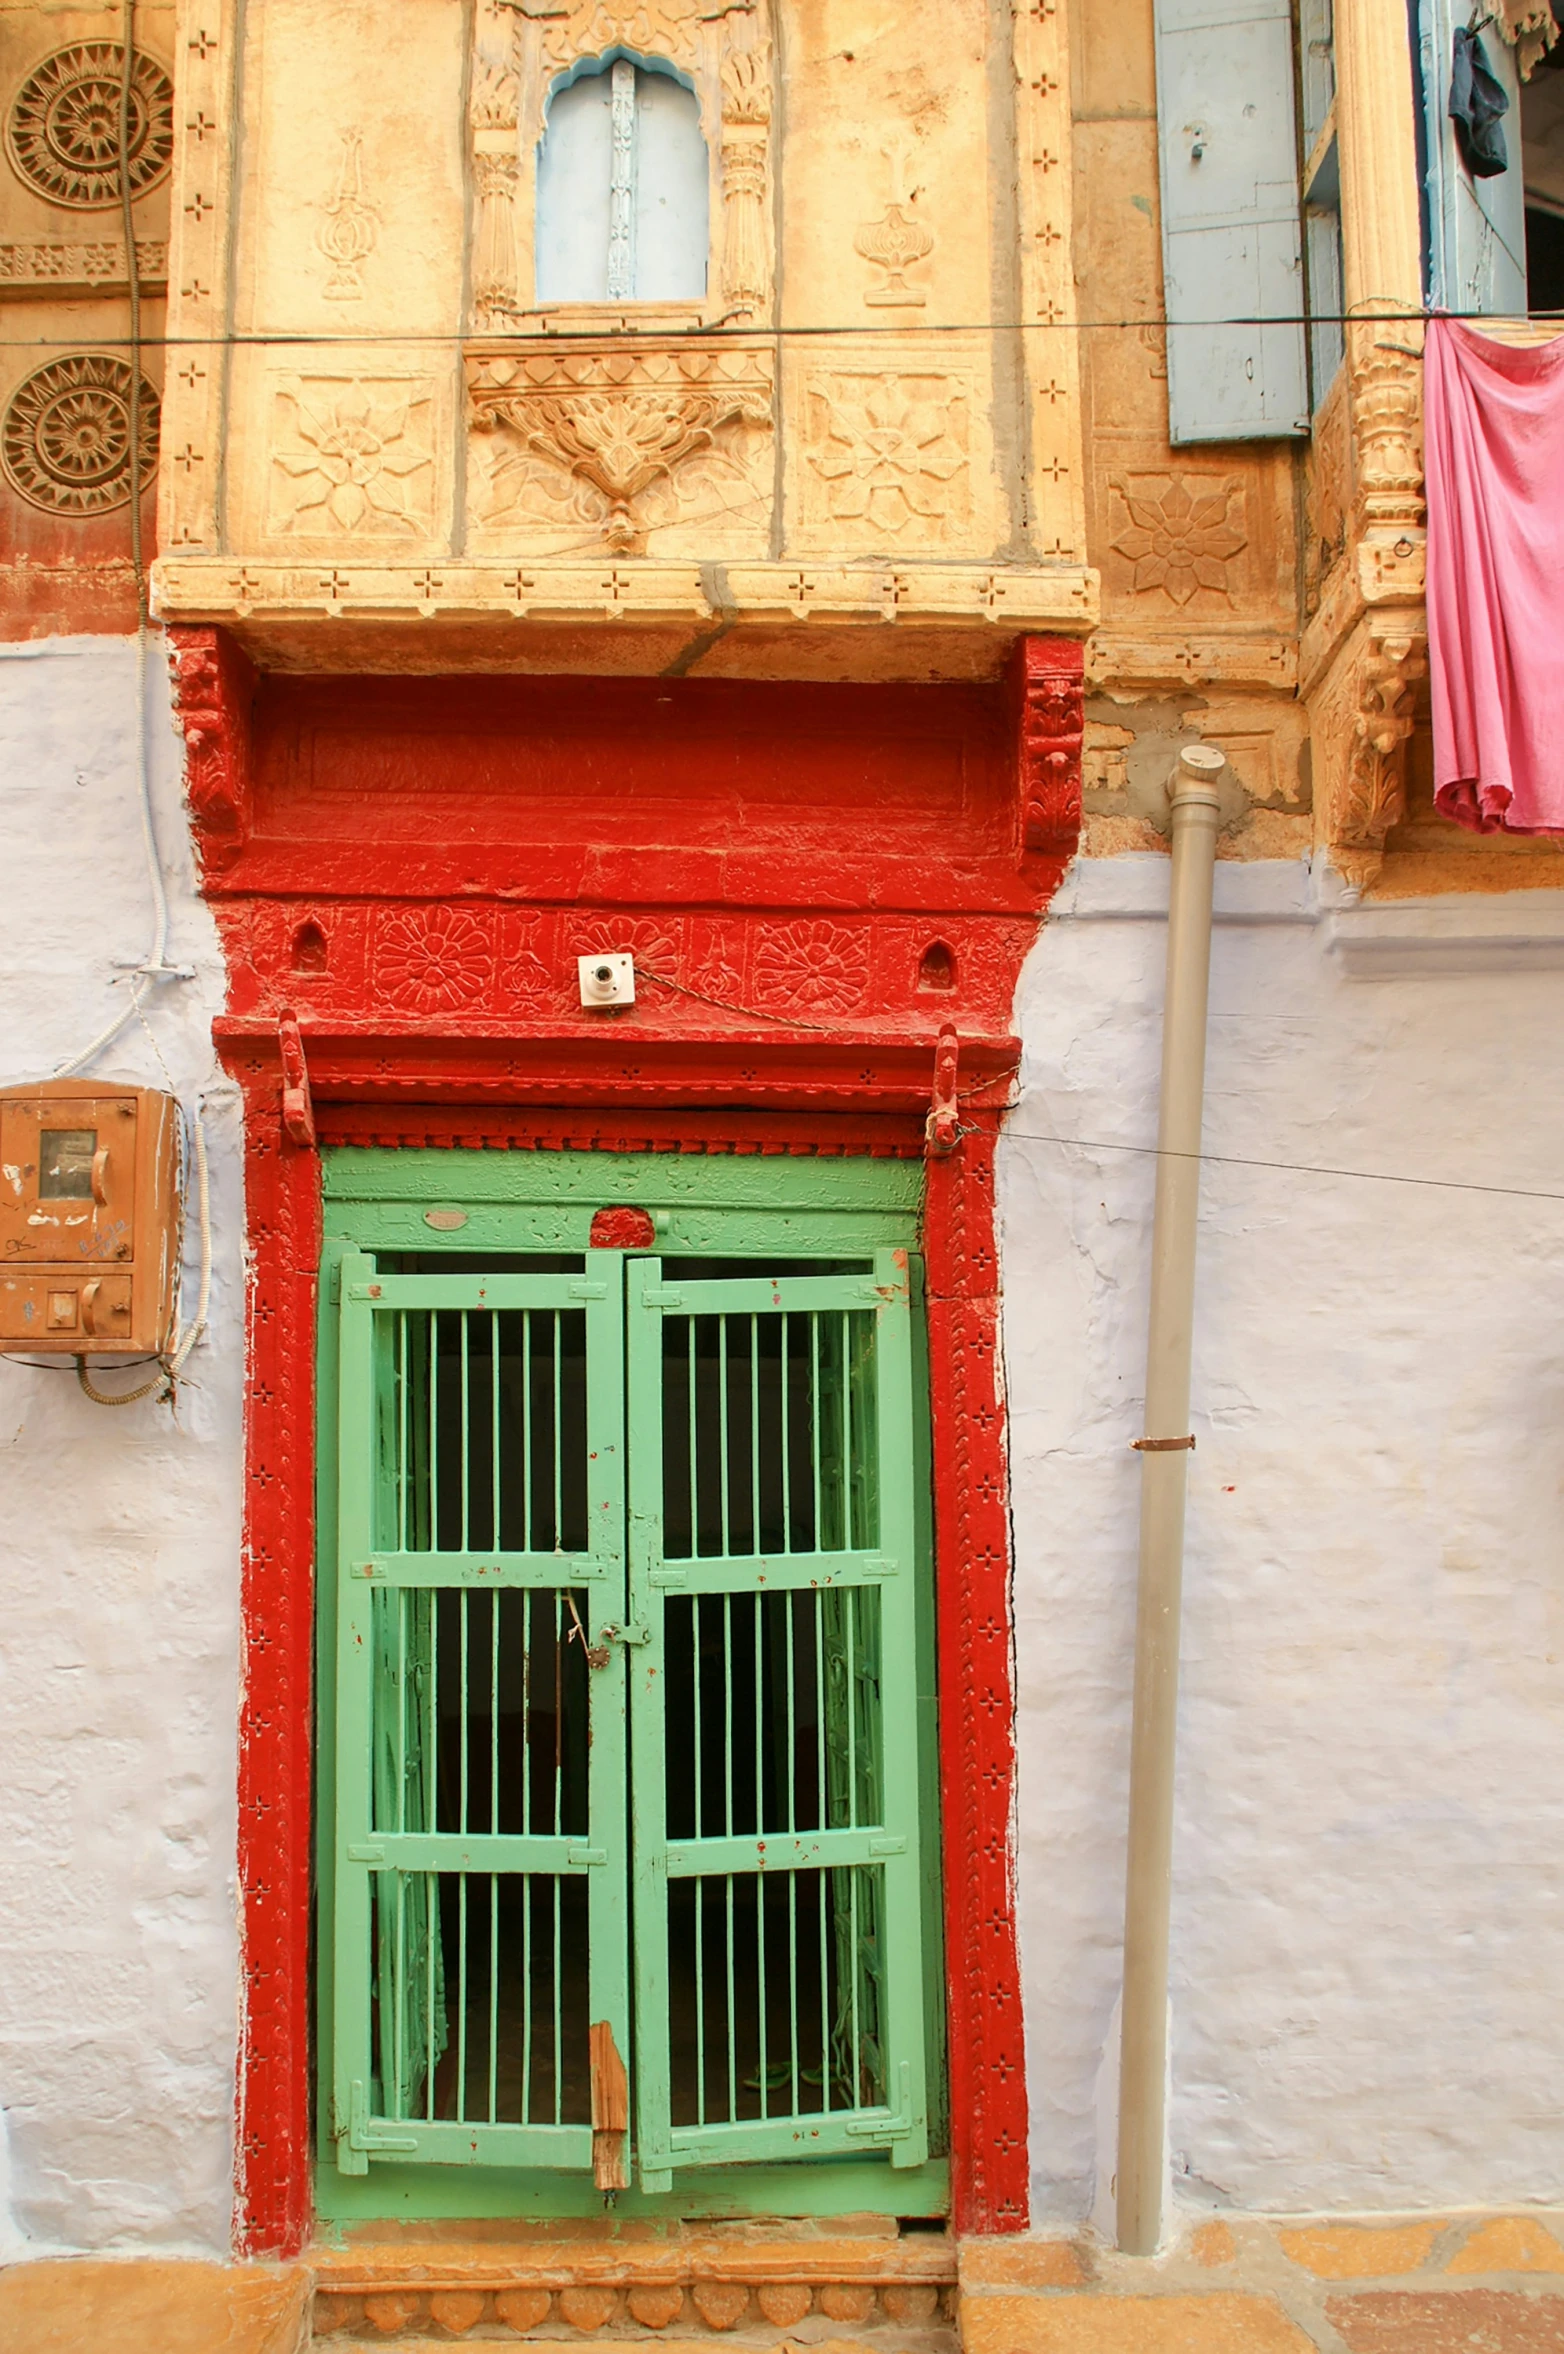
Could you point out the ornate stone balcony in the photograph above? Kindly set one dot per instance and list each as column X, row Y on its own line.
column 848, row 457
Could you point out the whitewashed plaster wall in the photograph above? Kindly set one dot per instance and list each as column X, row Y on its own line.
column 1368, row 1934
column 119, row 1558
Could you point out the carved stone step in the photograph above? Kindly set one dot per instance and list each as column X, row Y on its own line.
column 753, row 2291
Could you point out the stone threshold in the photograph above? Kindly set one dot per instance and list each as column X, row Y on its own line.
column 751, row 2285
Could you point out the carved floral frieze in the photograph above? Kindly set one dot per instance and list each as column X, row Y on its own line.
column 608, row 445
column 444, row 966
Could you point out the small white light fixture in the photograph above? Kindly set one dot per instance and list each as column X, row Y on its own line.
column 606, row 979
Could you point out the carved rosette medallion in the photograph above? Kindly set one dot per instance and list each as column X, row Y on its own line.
column 811, row 968
column 1180, row 535
column 621, row 440
column 433, row 960
column 888, row 458
column 65, row 441
column 353, row 456
column 63, row 131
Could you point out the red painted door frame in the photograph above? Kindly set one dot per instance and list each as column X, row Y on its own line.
column 385, row 1053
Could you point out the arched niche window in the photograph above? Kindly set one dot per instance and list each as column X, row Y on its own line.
column 623, row 187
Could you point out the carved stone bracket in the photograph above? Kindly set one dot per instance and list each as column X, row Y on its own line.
column 213, row 690
column 1361, row 724
column 1048, row 699
column 621, row 420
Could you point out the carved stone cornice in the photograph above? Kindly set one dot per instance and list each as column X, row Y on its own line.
column 213, row 690
column 1006, row 599
column 621, row 419
column 1361, row 721
column 45, row 265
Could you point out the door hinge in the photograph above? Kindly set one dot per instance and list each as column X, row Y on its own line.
column 366, row 1855
column 888, row 1846
column 589, row 1291
column 662, row 1295
column 359, row 2136
column 578, row 1854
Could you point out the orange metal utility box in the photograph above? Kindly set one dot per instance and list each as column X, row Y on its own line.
column 89, row 1219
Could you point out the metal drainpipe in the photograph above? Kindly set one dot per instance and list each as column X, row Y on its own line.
column 1164, row 1464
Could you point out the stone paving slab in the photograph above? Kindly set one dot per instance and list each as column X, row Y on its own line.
column 1244, row 2284
column 91, row 2305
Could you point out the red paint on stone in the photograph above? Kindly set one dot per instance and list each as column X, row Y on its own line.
column 622, row 1230
column 780, row 861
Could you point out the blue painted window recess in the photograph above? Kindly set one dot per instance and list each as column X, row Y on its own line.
column 623, row 188
column 1232, row 242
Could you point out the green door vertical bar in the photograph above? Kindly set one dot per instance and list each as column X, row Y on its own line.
column 650, row 1581
column 902, row 1957
column 357, row 1472
column 608, row 1908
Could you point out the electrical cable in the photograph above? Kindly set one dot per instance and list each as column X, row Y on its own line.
column 238, row 339
column 1525, row 1193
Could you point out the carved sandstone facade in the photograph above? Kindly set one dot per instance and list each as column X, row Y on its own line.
column 74, row 396
column 862, row 421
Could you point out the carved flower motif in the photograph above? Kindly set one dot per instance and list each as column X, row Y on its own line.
column 817, row 967
column 889, row 453
column 357, row 458
column 1181, row 540
column 433, row 959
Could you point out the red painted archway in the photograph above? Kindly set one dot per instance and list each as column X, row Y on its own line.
column 819, row 884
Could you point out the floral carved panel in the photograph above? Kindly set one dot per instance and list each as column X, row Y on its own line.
column 352, row 460
column 889, row 458
column 650, row 449
column 1178, row 535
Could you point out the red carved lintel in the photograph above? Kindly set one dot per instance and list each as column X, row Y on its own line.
column 1048, row 700
column 943, row 1126
column 214, row 691
column 298, row 1112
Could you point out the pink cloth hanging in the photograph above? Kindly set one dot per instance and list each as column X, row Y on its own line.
column 1493, row 441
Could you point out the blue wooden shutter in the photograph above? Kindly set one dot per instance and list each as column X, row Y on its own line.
column 1231, row 247
column 1477, row 227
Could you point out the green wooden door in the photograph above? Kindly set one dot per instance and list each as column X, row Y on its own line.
column 778, row 1965
column 503, row 1601
column 480, row 1864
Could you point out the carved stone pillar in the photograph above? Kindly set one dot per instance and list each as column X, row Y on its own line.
column 496, row 294
column 746, row 129
column 1364, row 652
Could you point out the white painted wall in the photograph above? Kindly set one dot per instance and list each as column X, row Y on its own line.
column 1368, row 1935
column 119, row 1550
